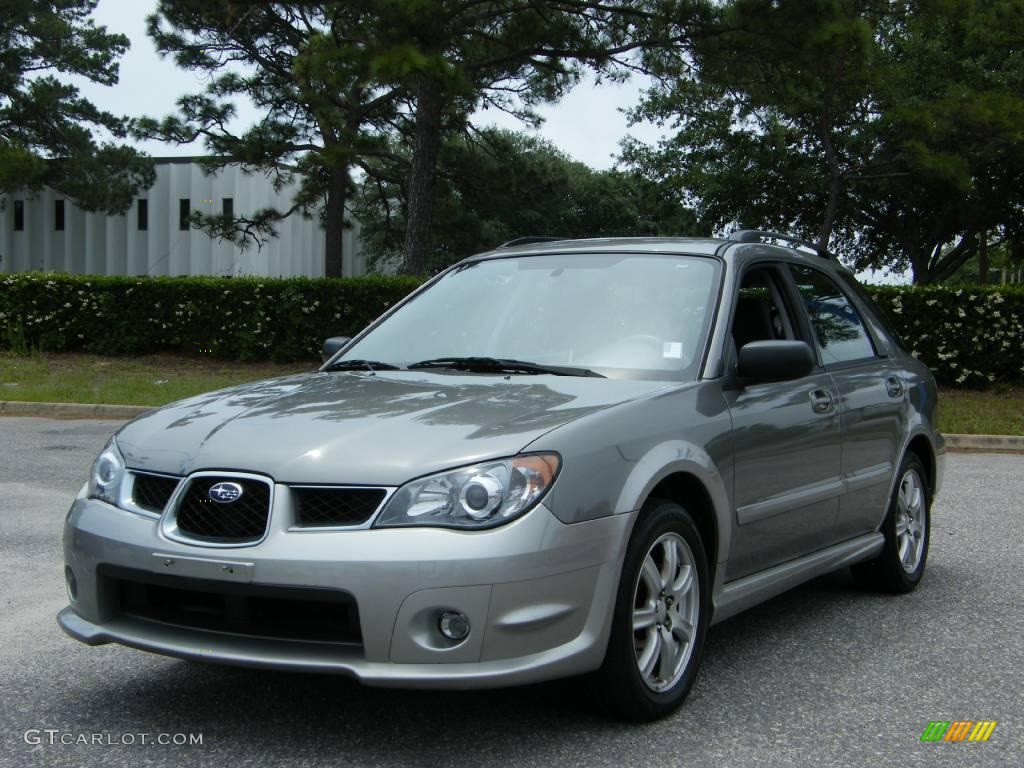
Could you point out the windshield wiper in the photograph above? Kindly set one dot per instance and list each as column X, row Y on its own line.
column 501, row 365
column 365, row 365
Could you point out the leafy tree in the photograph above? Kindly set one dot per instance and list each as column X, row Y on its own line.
column 767, row 115
column 311, row 69
column 895, row 127
column 952, row 106
column 457, row 55
column 49, row 134
column 496, row 185
column 341, row 82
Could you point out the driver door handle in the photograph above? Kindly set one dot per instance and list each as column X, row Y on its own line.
column 821, row 401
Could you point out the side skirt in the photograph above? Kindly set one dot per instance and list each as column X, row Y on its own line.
column 737, row 596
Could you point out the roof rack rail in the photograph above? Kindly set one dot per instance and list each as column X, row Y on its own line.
column 529, row 241
column 757, row 235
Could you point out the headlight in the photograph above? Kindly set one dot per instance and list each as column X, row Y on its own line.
column 107, row 474
column 480, row 496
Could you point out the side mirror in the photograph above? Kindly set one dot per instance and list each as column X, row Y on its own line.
column 763, row 361
column 332, row 345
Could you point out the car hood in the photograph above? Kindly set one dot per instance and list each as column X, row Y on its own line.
column 362, row 428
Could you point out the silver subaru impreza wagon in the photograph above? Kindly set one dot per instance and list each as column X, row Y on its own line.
column 556, row 458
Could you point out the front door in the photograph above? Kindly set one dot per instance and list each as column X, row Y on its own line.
column 787, row 442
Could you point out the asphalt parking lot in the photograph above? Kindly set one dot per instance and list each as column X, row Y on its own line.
column 825, row 675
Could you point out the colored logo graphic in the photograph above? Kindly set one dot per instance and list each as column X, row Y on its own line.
column 958, row 730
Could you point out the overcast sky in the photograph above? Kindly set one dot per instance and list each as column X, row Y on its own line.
column 588, row 124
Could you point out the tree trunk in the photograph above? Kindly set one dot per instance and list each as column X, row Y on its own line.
column 426, row 145
column 983, row 258
column 828, row 221
column 835, row 187
column 919, row 268
column 334, row 222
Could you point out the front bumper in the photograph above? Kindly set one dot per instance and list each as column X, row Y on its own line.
column 539, row 595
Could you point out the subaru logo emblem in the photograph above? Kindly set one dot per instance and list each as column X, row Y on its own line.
column 224, row 493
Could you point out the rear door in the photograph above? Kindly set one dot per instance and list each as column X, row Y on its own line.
column 872, row 399
column 786, row 436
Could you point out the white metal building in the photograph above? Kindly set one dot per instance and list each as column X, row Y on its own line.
column 48, row 232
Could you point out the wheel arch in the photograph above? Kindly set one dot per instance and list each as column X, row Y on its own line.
column 688, row 492
column 922, row 447
column 683, row 473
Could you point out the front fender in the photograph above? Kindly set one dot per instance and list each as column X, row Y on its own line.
column 669, row 458
column 685, row 429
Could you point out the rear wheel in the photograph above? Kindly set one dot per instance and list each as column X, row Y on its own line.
column 661, row 616
column 907, row 530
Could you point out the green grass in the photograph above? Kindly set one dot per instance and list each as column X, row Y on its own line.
column 968, row 412
column 159, row 379
column 152, row 380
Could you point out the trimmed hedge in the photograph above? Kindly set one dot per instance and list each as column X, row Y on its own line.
column 970, row 336
column 230, row 318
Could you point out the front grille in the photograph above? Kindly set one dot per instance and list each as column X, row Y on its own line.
column 325, row 507
column 254, row 610
column 152, row 492
column 244, row 519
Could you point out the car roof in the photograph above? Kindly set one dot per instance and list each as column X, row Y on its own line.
column 689, row 245
column 692, row 246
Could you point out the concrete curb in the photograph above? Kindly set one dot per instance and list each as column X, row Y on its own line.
column 958, row 443
column 985, row 443
column 71, row 410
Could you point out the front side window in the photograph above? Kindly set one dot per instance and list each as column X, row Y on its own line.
column 621, row 315
column 760, row 314
column 58, row 215
column 838, row 329
column 19, row 215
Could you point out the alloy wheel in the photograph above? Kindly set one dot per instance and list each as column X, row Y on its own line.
column 666, row 609
column 911, row 512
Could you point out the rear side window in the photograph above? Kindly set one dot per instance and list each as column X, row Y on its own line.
column 881, row 317
column 838, row 329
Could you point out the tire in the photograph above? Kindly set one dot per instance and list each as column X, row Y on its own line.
column 679, row 609
column 899, row 567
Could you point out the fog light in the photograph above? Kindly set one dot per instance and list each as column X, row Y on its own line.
column 69, row 578
column 454, row 626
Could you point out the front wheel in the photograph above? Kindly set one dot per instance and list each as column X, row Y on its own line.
column 907, row 530
column 661, row 616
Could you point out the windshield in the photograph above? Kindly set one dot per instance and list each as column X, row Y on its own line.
column 622, row 315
